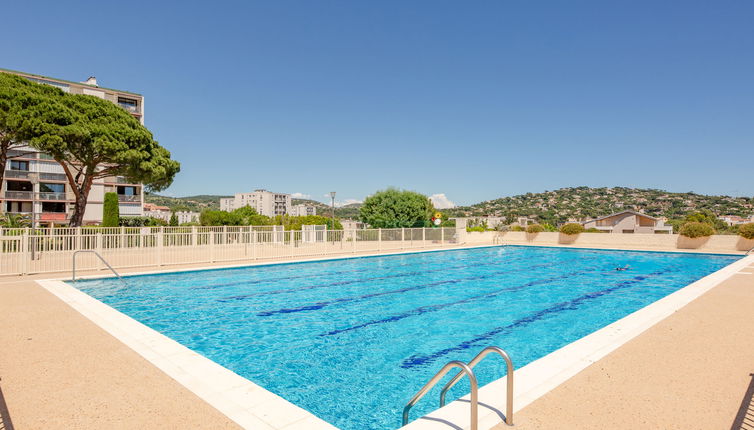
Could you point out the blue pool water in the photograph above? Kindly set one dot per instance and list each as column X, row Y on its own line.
column 352, row 340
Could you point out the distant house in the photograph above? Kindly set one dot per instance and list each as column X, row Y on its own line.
column 736, row 220
column 629, row 222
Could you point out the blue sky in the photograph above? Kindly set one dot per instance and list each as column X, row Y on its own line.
column 475, row 100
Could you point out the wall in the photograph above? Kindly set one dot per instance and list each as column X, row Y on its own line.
column 651, row 242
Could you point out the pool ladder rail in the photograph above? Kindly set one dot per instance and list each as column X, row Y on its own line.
column 73, row 274
column 467, row 369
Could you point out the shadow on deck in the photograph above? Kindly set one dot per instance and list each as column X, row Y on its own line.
column 745, row 417
column 5, row 422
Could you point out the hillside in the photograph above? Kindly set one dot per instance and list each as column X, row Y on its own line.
column 583, row 202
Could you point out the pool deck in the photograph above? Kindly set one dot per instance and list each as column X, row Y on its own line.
column 642, row 384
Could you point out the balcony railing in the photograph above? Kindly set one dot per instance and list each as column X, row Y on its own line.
column 129, row 107
column 129, row 199
column 53, row 177
column 19, row 174
column 53, row 216
column 19, row 195
column 116, row 180
column 51, row 196
column 15, row 153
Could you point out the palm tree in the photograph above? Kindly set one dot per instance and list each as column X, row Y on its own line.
column 10, row 220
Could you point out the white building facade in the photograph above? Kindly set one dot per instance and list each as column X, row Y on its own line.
column 266, row 203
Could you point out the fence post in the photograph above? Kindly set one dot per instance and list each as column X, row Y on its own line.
column 224, row 240
column 122, row 237
column 160, row 243
column 353, row 238
column 98, row 247
column 212, row 246
column 424, row 237
column 442, row 236
column 379, row 239
column 403, row 238
column 25, row 254
column 193, row 237
column 77, row 245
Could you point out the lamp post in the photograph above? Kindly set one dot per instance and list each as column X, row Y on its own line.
column 332, row 209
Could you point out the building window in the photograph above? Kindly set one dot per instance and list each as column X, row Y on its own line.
column 19, row 186
column 19, row 165
column 53, row 207
column 51, row 188
column 127, row 191
column 130, row 105
column 44, row 156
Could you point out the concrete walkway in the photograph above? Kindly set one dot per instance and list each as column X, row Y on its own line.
column 692, row 370
column 59, row 370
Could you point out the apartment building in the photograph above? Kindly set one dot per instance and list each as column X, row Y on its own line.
column 303, row 210
column 264, row 202
column 34, row 184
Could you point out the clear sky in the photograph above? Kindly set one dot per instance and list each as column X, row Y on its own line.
column 475, row 100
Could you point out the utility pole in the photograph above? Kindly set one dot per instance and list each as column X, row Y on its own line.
column 332, row 209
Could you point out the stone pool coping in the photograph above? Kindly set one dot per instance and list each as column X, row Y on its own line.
column 251, row 406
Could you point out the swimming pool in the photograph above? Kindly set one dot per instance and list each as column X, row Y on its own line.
column 352, row 340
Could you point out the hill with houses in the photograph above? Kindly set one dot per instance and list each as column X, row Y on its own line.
column 581, row 203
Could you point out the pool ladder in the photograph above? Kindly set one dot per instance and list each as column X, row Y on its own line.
column 98, row 255
column 467, row 369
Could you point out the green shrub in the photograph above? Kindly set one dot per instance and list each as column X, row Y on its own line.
column 696, row 229
column 549, row 227
column 110, row 210
column 476, row 228
column 571, row 228
column 517, row 228
column 594, row 230
column 173, row 220
column 746, row 230
column 535, row 228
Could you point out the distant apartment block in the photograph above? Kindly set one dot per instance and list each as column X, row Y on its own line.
column 303, row 210
column 34, row 184
column 164, row 213
column 264, row 202
column 629, row 222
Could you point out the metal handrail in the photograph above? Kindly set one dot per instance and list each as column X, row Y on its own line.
column 95, row 253
column 474, row 362
column 474, row 395
column 749, row 251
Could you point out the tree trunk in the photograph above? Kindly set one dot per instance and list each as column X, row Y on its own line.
column 82, row 196
column 4, row 147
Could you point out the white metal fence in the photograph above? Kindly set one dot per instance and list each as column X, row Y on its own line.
column 26, row 251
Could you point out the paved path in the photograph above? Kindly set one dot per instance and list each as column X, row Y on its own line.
column 692, row 370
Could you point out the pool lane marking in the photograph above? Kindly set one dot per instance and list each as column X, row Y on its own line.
column 322, row 304
column 352, row 281
column 433, row 308
column 421, row 360
column 323, row 274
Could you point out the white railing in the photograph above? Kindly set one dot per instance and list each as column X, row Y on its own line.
column 23, row 251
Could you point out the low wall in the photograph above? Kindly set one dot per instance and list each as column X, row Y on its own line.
column 651, row 242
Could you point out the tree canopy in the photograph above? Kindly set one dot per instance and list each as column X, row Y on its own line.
column 393, row 208
column 93, row 138
column 25, row 109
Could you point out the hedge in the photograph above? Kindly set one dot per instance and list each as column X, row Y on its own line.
column 535, row 228
column 746, row 230
column 696, row 229
column 572, row 228
column 110, row 210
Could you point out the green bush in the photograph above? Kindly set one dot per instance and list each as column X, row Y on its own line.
column 535, row 228
column 696, row 229
column 594, row 230
column 517, row 228
column 173, row 220
column 110, row 210
column 549, row 227
column 476, row 228
column 572, row 228
column 746, row 230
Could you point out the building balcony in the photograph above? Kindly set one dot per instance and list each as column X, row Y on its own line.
column 53, row 177
column 52, row 196
column 19, row 195
column 15, row 153
column 17, row 174
column 53, row 216
column 130, row 107
column 129, row 199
